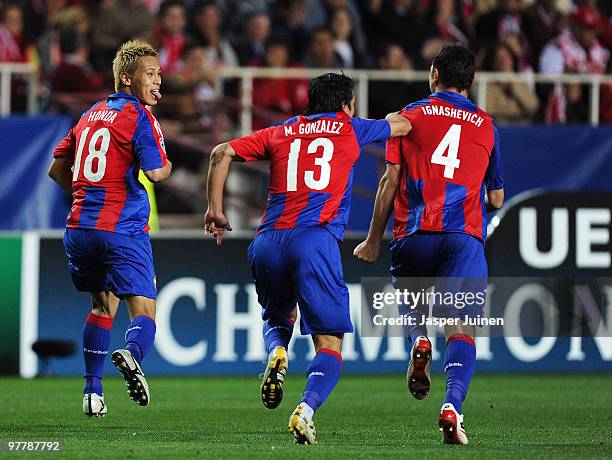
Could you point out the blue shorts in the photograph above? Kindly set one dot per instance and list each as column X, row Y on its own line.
column 453, row 262
column 106, row 261
column 301, row 265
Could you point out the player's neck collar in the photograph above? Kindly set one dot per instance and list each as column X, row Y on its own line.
column 449, row 95
column 314, row 116
column 122, row 95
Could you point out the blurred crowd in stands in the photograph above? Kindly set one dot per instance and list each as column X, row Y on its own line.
column 72, row 43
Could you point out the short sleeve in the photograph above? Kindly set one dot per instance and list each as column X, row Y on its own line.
column 148, row 142
column 65, row 149
column 253, row 147
column 368, row 131
column 494, row 176
column 393, row 151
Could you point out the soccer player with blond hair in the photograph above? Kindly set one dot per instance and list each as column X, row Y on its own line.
column 106, row 238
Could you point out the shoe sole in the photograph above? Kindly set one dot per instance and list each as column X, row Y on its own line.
column 298, row 432
column 449, row 431
column 273, row 381
column 137, row 386
column 418, row 378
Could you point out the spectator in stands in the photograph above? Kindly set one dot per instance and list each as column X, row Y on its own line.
column 519, row 53
column 396, row 21
column 508, row 102
column 13, row 46
column 289, row 21
column 251, row 45
column 207, row 32
column 321, row 51
column 446, row 21
column 575, row 50
column 545, row 23
column 282, row 97
column 389, row 96
column 74, row 17
column 347, row 48
column 507, row 18
column 236, row 13
column 320, row 12
column 74, row 73
column 192, row 88
column 170, row 34
column 115, row 23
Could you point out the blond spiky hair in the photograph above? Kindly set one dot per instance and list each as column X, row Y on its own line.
column 126, row 59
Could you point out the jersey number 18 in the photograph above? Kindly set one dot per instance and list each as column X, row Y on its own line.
column 93, row 152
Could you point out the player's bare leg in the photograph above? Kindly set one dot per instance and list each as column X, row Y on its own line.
column 323, row 374
column 276, row 337
column 139, row 339
column 459, row 368
column 96, row 340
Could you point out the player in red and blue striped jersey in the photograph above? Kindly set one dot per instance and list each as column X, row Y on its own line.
column 106, row 239
column 295, row 256
column 440, row 180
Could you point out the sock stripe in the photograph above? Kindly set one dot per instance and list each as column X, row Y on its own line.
column 463, row 337
column 330, row 352
column 105, row 322
column 152, row 318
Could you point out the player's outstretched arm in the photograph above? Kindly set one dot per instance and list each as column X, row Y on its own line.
column 159, row 174
column 215, row 221
column 368, row 250
column 400, row 126
column 60, row 172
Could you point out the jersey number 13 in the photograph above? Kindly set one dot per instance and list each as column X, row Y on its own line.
column 309, row 176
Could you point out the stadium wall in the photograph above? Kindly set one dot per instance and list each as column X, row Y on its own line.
column 209, row 320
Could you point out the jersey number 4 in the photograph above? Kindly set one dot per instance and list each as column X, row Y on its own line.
column 93, row 152
column 323, row 162
column 450, row 141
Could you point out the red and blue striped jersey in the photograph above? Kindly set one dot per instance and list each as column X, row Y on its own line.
column 311, row 167
column 112, row 141
column 448, row 159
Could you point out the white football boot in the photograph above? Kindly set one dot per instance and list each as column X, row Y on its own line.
column 274, row 378
column 301, row 427
column 137, row 386
column 451, row 424
column 418, row 377
column 93, row 405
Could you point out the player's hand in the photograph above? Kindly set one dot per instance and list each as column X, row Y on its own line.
column 367, row 251
column 215, row 223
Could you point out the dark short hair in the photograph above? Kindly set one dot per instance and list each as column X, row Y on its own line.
column 7, row 6
column 189, row 46
column 456, row 65
column 71, row 40
column 319, row 30
column 329, row 92
column 276, row 40
column 167, row 4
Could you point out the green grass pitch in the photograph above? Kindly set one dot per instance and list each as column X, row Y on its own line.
column 507, row 416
